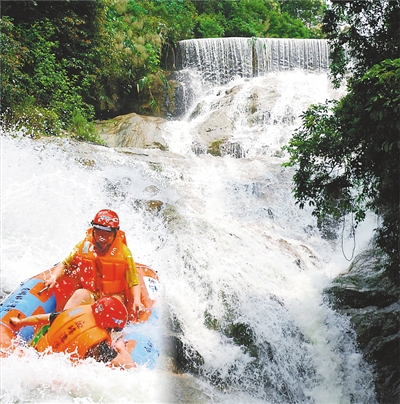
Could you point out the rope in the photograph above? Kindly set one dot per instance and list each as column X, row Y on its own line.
column 354, row 237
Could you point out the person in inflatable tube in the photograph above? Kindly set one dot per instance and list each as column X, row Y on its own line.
column 83, row 332
column 102, row 263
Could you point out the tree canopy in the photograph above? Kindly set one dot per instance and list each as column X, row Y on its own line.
column 259, row 18
column 65, row 63
column 346, row 153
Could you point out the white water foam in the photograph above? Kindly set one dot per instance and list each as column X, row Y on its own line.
column 231, row 249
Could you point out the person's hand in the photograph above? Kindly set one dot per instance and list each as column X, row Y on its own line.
column 53, row 274
column 15, row 322
column 138, row 307
column 119, row 345
column 124, row 358
column 125, row 346
column 50, row 281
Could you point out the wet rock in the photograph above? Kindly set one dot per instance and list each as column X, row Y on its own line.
column 215, row 126
column 185, row 389
column 368, row 294
column 151, row 206
column 151, row 190
column 133, row 130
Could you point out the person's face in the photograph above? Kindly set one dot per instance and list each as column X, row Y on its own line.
column 103, row 239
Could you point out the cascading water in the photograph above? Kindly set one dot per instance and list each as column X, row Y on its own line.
column 220, row 60
column 213, row 61
column 242, row 268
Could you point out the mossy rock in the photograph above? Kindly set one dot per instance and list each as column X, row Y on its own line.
column 371, row 298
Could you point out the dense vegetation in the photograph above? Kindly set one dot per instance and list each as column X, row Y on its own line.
column 346, row 153
column 65, row 63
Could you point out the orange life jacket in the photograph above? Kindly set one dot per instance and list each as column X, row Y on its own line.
column 73, row 331
column 106, row 273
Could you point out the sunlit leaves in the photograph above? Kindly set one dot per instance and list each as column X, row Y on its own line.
column 346, row 153
column 361, row 34
column 358, row 139
column 257, row 18
column 100, row 52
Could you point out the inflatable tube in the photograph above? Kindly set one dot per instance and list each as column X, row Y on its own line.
column 145, row 339
column 26, row 300
column 143, row 333
column 31, row 297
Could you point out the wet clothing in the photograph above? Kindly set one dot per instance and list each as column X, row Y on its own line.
column 75, row 331
column 103, row 274
column 102, row 352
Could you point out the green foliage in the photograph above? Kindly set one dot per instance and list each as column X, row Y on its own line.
column 84, row 130
column 174, row 18
column 34, row 121
column 281, row 25
column 258, row 18
column 13, row 57
column 346, row 154
column 40, row 91
column 215, row 148
column 246, row 18
column 210, row 26
column 361, row 34
column 319, row 168
column 135, row 35
column 310, row 12
column 74, row 60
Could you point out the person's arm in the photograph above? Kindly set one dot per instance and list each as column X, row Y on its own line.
column 38, row 319
column 59, row 269
column 137, row 304
column 133, row 281
column 54, row 273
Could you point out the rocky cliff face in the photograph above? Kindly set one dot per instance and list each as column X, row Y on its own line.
column 371, row 298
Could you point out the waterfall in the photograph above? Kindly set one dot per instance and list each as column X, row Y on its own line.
column 242, row 268
column 287, row 54
column 222, row 59
column 204, row 63
column 219, row 60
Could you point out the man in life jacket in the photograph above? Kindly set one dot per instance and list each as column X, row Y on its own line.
column 102, row 263
column 82, row 331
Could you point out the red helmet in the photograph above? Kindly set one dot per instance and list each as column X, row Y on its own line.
column 106, row 220
column 110, row 312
